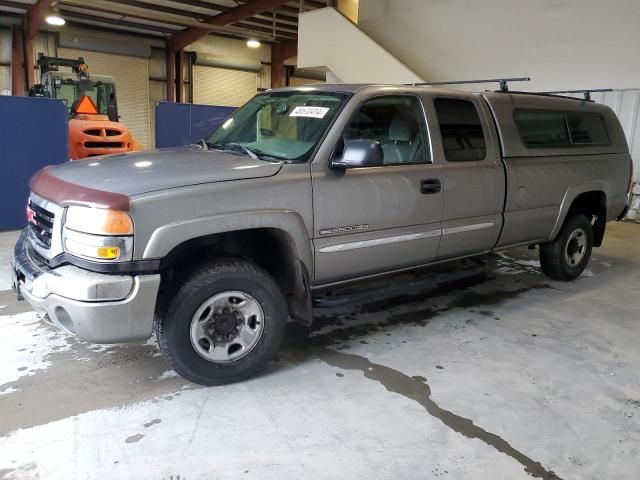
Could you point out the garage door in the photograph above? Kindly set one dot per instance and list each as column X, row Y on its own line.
column 223, row 87
column 131, row 76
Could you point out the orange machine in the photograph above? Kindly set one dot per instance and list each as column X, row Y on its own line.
column 94, row 128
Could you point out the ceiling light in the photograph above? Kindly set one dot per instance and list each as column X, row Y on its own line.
column 55, row 19
column 253, row 43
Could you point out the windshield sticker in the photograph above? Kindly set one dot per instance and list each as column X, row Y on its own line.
column 311, row 112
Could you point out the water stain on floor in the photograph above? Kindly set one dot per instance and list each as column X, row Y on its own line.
column 155, row 421
column 416, row 389
column 134, row 438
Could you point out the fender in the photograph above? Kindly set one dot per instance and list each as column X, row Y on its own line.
column 166, row 238
column 571, row 194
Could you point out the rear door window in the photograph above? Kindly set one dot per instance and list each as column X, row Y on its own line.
column 461, row 130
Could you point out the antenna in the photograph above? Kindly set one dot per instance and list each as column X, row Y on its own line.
column 587, row 93
column 501, row 81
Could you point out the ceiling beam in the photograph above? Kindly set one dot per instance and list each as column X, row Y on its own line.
column 116, row 21
column 16, row 5
column 315, row 4
column 35, row 17
column 200, row 17
column 216, row 7
column 82, row 7
column 235, row 15
column 158, row 8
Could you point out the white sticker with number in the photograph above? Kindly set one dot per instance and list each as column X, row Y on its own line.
column 311, row 112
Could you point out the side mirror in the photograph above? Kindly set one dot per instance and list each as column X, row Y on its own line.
column 359, row 154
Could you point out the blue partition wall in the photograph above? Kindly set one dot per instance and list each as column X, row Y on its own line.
column 184, row 123
column 34, row 134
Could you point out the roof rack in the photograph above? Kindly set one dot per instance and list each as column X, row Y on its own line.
column 586, row 92
column 501, row 81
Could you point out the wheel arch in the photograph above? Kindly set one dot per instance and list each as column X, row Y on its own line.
column 278, row 243
column 590, row 199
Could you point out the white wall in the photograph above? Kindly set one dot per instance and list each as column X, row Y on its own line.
column 326, row 39
column 560, row 44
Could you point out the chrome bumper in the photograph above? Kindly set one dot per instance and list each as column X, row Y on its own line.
column 96, row 307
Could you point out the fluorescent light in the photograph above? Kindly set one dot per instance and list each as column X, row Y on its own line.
column 253, row 43
column 55, row 19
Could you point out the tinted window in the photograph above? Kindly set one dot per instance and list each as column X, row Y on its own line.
column 397, row 123
column 542, row 129
column 461, row 130
column 587, row 129
column 550, row 129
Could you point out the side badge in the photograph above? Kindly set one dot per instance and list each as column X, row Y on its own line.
column 347, row 229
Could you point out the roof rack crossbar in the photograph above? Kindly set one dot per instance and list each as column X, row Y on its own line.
column 586, row 92
column 501, row 81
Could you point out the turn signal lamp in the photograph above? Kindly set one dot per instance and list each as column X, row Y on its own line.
column 108, row 252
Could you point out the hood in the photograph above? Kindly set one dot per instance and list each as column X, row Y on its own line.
column 136, row 173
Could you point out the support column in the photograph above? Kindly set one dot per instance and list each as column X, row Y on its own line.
column 180, row 76
column 171, row 74
column 17, row 59
column 277, row 66
column 29, row 63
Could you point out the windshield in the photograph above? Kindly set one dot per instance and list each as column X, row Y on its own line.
column 69, row 91
column 278, row 126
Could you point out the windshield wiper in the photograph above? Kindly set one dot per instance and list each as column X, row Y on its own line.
column 245, row 149
column 253, row 153
column 222, row 147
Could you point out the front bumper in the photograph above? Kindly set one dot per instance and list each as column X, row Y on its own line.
column 96, row 307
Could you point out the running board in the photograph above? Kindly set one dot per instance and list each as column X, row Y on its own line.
column 386, row 288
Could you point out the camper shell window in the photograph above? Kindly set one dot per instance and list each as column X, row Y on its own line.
column 559, row 129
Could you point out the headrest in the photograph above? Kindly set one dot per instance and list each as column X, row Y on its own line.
column 400, row 130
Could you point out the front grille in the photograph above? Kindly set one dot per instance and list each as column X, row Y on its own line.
column 103, row 144
column 99, row 132
column 42, row 224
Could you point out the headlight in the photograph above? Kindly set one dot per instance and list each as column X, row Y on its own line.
column 98, row 234
column 99, row 221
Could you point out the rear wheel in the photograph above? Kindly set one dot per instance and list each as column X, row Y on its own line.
column 568, row 255
column 223, row 324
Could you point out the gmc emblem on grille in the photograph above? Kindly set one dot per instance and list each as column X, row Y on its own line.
column 31, row 215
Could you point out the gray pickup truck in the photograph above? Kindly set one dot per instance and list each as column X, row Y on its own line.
column 216, row 246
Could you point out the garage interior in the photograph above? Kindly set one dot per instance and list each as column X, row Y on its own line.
column 477, row 368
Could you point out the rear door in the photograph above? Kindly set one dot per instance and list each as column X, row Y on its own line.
column 468, row 163
column 371, row 220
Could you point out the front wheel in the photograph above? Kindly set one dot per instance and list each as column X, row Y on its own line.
column 223, row 324
column 568, row 255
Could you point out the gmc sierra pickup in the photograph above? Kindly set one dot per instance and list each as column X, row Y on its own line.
column 214, row 247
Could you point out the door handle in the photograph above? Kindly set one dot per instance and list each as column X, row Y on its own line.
column 430, row 185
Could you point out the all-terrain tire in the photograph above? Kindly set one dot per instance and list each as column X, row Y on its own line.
column 173, row 327
column 568, row 255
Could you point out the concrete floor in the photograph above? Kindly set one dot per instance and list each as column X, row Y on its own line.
column 481, row 370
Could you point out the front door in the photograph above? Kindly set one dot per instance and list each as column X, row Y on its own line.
column 376, row 219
